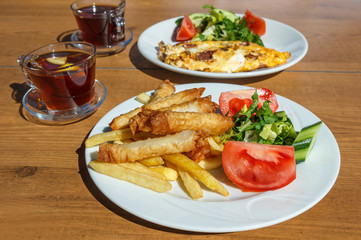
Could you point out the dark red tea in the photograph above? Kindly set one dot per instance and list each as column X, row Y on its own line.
column 62, row 84
column 95, row 24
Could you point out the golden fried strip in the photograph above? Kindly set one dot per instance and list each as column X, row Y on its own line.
column 211, row 162
column 136, row 166
column 129, row 152
column 216, row 146
column 143, row 98
column 108, row 136
column 176, row 98
column 167, row 122
column 191, row 184
column 132, row 176
column 204, row 104
column 165, row 89
column 196, row 171
column 169, row 173
column 154, row 161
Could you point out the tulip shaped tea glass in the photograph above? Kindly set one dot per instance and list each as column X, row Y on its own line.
column 63, row 75
column 101, row 23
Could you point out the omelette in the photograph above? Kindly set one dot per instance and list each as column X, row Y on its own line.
column 221, row 56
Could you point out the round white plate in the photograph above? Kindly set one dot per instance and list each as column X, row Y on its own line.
column 278, row 36
column 240, row 211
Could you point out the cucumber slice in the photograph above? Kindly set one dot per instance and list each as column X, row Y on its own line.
column 305, row 140
column 197, row 19
column 230, row 15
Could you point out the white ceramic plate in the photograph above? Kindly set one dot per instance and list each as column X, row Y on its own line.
column 278, row 36
column 240, row 211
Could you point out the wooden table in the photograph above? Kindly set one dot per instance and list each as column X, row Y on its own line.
column 44, row 191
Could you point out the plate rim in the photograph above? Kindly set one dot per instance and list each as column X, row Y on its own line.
column 155, row 220
column 255, row 73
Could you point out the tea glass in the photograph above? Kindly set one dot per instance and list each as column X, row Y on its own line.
column 62, row 78
column 101, row 23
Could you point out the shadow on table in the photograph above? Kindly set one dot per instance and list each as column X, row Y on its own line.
column 17, row 94
column 154, row 71
column 98, row 195
column 19, row 90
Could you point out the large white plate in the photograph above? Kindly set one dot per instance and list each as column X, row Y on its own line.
column 240, row 211
column 278, row 36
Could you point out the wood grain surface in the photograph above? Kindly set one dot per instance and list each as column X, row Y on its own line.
column 46, row 192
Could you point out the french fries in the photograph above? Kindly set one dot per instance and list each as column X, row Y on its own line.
column 147, row 145
column 108, row 136
column 201, row 174
column 216, row 146
column 211, row 162
column 169, row 173
column 132, row 176
column 143, row 98
column 142, row 169
column 154, row 161
column 191, row 184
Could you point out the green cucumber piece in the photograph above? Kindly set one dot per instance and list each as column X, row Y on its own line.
column 197, row 19
column 230, row 15
column 281, row 114
column 305, row 140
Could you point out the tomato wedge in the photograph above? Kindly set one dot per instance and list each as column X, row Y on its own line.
column 233, row 101
column 256, row 24
column 186, row 30
column 256, row 167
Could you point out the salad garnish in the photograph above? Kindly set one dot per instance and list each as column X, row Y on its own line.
column 221, row 25
column 261, row 125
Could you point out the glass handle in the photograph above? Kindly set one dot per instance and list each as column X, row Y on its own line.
column 119, row 23
column 20, row 60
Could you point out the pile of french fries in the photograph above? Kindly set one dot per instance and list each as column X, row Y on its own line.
column 157, row 172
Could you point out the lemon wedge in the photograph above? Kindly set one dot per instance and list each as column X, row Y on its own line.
column 71, row 67
column 57, row 60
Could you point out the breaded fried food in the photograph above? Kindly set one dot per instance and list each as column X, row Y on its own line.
column 176, row 98
column 204, row 104
column 129, row 152
column 202, row 151
column 168, row 122
column 165, row 89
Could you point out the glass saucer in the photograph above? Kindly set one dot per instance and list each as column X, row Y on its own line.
column 108, row 50
column 35, row 110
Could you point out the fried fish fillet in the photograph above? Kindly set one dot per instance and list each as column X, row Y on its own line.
column 221, row 56
column 176, row 98
column 168, row 122
column 165, row 89
column 204, row 104
column 129, row 152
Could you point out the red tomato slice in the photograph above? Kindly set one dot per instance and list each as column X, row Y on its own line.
column 256, row 167
column 255, row 24
column 237, row 104
column 186, row 30
column 227, row 102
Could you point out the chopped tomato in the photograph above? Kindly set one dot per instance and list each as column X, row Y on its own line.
column 186, row 30
column 233, row 101
column 256, row 167
column 237, row 104
column 255, row 24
